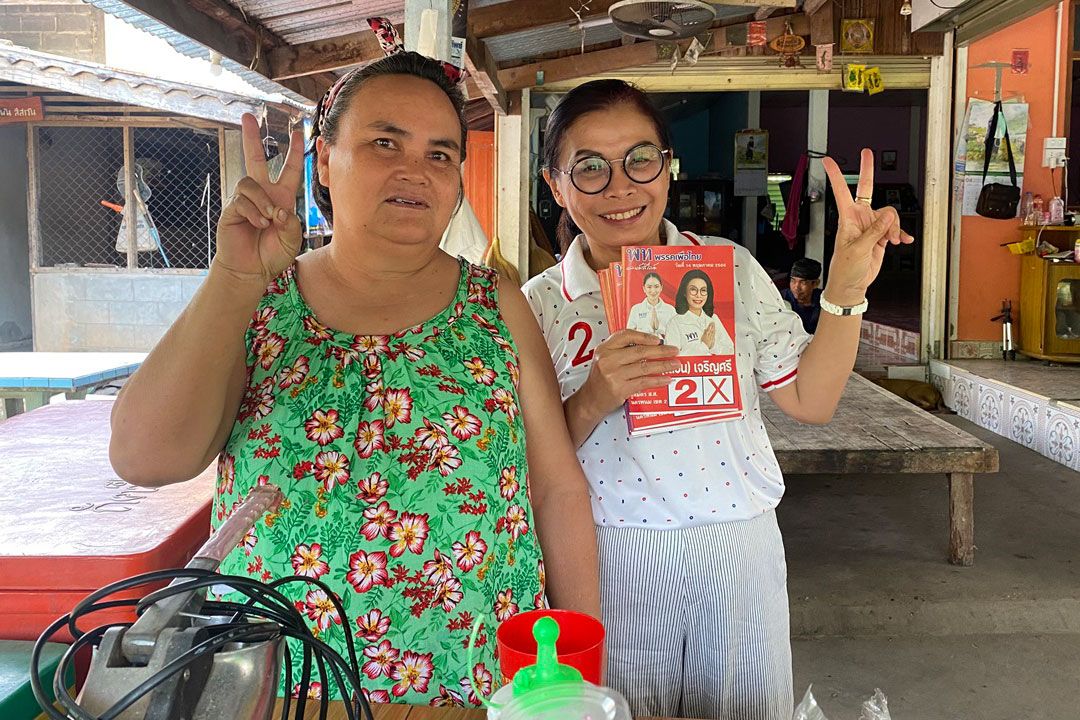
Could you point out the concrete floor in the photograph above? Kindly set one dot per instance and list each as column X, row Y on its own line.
column 875, row 604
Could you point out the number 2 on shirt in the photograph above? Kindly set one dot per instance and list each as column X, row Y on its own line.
column 581, row 356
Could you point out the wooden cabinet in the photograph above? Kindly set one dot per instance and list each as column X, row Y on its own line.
column 1050, row 309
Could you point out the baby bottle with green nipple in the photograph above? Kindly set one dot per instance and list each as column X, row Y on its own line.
column 550, row 690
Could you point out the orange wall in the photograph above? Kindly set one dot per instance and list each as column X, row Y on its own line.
column 988, row 273
column 479, row 177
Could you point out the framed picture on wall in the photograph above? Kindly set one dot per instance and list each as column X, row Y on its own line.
column 888, row 159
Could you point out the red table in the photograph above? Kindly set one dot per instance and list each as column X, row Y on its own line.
column 71, row 525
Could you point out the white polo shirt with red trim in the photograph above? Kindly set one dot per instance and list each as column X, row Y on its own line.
column 692, row 476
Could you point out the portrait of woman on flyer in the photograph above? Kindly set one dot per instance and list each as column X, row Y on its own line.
column 695, row 330
column 652, row 314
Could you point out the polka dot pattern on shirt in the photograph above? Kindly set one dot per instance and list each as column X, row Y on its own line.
column 720, row 472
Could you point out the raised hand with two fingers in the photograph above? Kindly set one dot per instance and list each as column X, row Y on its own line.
column 862, row 234
column 259, row 233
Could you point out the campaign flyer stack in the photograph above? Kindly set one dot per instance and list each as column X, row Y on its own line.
column 685, row 296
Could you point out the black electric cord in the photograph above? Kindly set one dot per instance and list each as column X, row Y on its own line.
column 255, row 591
column 265, row 615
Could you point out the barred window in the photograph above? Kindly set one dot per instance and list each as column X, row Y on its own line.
column 76, row 170
column 81, row 208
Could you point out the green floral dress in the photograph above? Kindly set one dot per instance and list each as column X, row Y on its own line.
column 402, row 460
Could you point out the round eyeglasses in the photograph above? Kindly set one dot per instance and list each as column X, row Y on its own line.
column 642, row 164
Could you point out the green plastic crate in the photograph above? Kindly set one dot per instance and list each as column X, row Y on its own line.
column 16, row 698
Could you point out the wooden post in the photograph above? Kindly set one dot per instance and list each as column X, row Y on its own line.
column 817, row 139
column 750, row 204
column 131, row 209
column 936, row 193
column 512, row 182
column 232, row 162
column 959, row 113
column 961, row 519
column 32, row 199
column 915, row 134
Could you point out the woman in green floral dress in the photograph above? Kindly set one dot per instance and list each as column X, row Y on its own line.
column 386, row 388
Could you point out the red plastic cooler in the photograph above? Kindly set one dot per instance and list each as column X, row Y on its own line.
column 71, row 526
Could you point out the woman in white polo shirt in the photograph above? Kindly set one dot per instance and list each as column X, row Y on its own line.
column 693, row 575
column 695, row 330
column 652, row 314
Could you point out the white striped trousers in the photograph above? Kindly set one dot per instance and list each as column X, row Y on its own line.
column 697, row 620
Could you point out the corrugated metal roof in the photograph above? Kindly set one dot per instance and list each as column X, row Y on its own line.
column 38, row 69
column 300, row 21
column 544, row 39
column 186, row 46
column 306, row 20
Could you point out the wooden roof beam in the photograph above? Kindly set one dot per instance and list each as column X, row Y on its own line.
column 217, row 25
column 641, row 53
column 511, row 17
column 484, row 73
column 325, row 55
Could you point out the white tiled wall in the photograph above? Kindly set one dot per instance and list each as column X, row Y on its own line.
column 1047, row 426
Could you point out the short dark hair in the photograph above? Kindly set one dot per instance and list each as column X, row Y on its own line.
column 586, row 98
column 327, row 121
column 806, row 268
column 681, row 306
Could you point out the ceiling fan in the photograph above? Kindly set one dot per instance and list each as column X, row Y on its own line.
column 657, row 19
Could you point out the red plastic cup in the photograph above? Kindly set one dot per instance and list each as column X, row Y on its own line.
column 580, row 644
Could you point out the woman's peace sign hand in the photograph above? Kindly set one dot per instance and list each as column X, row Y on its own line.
column 861, row 236
column 258, row 234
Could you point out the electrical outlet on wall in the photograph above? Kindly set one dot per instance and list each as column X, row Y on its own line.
column 1054, row 151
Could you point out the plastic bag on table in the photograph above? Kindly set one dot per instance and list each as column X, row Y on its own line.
column 876, row 708
column 808, row 709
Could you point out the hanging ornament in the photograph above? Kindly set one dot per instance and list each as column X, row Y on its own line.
column 874, row 83
column 824, row 57
column 857, row 35
column 788, row 45
column 756, row 35
column 854, row 78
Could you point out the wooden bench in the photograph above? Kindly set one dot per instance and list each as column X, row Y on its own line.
column 875, row 431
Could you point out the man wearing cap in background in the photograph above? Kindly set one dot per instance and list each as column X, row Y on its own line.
column 803, row 293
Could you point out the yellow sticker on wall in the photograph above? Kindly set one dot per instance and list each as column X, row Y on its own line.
column 874, row 83
column 854, row 80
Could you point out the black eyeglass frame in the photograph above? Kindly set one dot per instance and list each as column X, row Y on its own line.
column 664, row 157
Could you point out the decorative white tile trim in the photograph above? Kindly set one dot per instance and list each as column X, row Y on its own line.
column 941, row 378
column 1061, row 441
column 964, row 397
column 893, row 339
column 1024, row 421
column 1051, row 428
column 991, row 408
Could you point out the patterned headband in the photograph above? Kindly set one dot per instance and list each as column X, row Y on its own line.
column 391, row 44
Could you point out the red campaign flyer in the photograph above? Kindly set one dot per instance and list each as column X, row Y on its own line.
column 686, row 295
